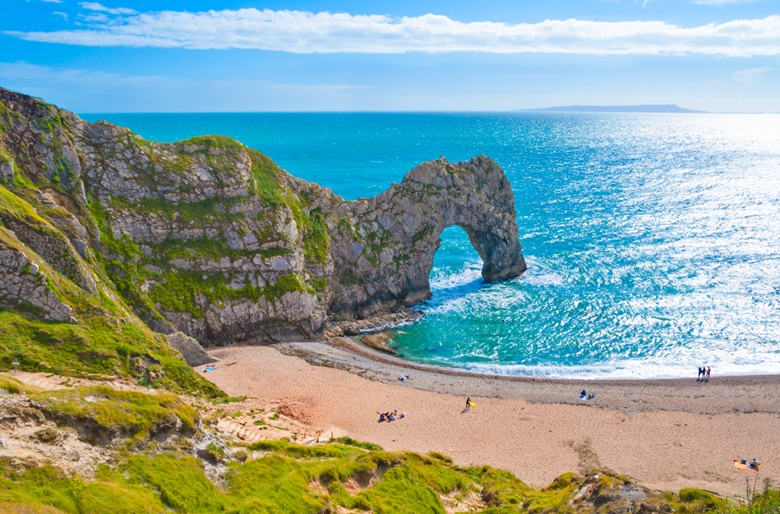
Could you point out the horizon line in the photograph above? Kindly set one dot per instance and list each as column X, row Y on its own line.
column 487, row 111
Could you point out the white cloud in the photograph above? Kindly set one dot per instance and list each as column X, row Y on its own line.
column 750, row 76
column 305, row 32
column 94, row 6
column 52, row 1
column 61, row 14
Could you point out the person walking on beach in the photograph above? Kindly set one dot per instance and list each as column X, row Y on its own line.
column 698, row 377
column 468, row 403
column 708, row 374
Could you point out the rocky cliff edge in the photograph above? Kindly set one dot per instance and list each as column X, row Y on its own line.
column 211, row 238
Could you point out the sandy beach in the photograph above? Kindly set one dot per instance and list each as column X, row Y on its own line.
column 667, row 434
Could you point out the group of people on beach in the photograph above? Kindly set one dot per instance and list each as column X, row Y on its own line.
column 390, row 416
column 753, row 464
column 704, row 374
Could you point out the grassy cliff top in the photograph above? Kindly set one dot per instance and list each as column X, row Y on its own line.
column 292, row 479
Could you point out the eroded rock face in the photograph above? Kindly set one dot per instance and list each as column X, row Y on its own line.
column 383, row 247
column 211, row 238
column 23, row 285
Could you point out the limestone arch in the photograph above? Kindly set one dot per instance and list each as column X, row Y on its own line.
column 384, row 261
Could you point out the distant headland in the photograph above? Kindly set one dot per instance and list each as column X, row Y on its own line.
column 615, row 108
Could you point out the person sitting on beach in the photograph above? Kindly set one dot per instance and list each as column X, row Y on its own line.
column 402, row 416
column 382, row 416
column 583, row 395
column 390, row 417
column 402, row 378
column 753, row 464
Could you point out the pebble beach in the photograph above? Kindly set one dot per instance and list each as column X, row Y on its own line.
column 667, row 434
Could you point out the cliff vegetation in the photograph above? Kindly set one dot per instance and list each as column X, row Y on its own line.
column 153, row 453
column 210, row 238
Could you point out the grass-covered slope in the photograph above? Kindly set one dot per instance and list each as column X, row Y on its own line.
column 291, row 479
column 108, row 340
column 145, row 452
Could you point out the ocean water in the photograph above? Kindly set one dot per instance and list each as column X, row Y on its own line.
column 652, row 240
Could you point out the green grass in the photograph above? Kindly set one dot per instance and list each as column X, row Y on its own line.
column 9, row 119
column 181, row 290
column 180, row 482
column 91, row 350
column 501, row 489
column 209, row 210
column 47, row 487
column 206, row 247
column 281, row 482
column 316, row 241
column 266, row 174
column 126, row 411
column 97, row 346
column 13, row 386
column 348, row 441
column 767, row 502
column 414, row 486
column 14, row 207
column 214, row 141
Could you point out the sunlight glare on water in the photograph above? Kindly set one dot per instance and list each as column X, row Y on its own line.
column 652, row 240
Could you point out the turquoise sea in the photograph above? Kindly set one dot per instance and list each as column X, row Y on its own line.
column 653, row 240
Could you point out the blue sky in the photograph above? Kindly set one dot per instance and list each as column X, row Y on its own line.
column 326, row 55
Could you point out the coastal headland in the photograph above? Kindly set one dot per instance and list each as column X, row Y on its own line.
column 122, row 259
column 667, row 434
column 211, row 238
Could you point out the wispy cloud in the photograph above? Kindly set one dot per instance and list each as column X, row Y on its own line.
column 94, row 6
column 61, row 14
column 749, row 76
column 93, row 18
column 98, row 91
column 306, row 32
column 52, row 1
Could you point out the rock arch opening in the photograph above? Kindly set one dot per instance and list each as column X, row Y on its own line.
column 457, row 266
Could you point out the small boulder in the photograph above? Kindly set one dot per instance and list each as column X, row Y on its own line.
column 190, row 349
column 47, row 435
column 379, row 341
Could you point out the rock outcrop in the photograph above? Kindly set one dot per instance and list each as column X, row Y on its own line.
column 213, row 239
column 190, row 349
column 24, row 286
column 383, row 247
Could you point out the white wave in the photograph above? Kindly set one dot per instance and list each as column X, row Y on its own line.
column 471, row 272
column 678, row 364
column 539, row 274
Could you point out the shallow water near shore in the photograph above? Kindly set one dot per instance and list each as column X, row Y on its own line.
column 652, row 240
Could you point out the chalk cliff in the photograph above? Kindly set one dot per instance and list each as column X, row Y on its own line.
column 213, row 239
